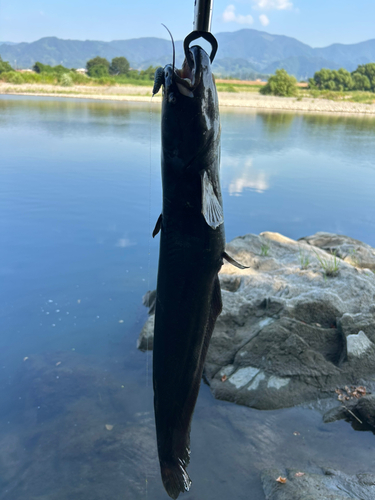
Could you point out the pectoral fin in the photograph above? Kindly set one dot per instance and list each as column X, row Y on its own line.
column 211, row 208
column 230, row 259
column 157, row 226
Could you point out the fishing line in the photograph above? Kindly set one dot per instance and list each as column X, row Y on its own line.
column 149, row 258
column 149, row 235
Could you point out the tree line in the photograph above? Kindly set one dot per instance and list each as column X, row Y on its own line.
column 100, row 67
column 341, row 80
column 118, row 70
column 363, row 78
column 97, row 68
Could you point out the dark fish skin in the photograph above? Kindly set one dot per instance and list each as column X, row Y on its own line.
column 191, row 255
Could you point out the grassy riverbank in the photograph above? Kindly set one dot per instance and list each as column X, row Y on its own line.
column 233, row 94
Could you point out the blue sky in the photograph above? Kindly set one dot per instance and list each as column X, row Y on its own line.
column 315, row 22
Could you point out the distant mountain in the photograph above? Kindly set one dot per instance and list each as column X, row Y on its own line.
column 7, row 43
column 260, row 48
column 302, row 66
column 349, row 56
column 245, row 53
column 237, row 68
column 53, row 51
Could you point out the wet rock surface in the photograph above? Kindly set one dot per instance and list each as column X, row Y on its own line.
column 296, row 325
column 360, row 412
column 327, row 484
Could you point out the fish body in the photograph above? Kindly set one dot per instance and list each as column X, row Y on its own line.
column 192, row 247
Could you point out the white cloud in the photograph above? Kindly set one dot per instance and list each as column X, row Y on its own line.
column 273, row 4
column 229, row 15
column 264, row 20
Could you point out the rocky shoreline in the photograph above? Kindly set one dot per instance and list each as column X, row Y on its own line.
column 243, row 100
column 298, row 326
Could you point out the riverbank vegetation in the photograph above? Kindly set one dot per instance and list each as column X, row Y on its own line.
column 362, row 79
column 280, row 84
column 336, row 85
column 99, row 71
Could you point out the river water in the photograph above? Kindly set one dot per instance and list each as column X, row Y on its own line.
column 80, row 193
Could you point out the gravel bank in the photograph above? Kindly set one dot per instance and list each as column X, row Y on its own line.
column 258, row 101
column 230, row 99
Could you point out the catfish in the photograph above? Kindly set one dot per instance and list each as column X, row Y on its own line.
column 192, row 249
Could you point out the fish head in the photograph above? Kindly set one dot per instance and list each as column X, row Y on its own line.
column 192, row 80
column 190, row 102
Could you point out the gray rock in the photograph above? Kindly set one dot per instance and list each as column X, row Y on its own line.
column 361, row 412
column 285, row 334
column 358, row 345
column 145, row 340
column 328, row 484
column 366, row 409
column 149, row 300
column 339, row 413
column 353, row 251
column 352, row 323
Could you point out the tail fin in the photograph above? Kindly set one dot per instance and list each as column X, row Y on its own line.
column 175, row 478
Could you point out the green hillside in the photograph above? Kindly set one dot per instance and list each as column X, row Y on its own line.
column 245, row 52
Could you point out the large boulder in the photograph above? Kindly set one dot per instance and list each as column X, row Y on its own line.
column 353, row 251
column 295, row 326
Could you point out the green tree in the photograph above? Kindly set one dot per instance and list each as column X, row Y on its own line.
column 60, row 70
column 148, row 74
column 98, row 71
column 322, row 78
column 280, row 84
column 343, row 79
column 5, row 66
column 365, row 75
column 40, row 67
column 97, row 62
column 46, row 68
column 119, row 66
column 360, row 82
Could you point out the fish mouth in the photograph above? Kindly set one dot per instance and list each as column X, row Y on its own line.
column 188, row 77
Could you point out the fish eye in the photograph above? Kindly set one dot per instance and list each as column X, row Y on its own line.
column 172, row 99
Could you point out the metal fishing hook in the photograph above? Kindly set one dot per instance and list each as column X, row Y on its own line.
column 202, row 29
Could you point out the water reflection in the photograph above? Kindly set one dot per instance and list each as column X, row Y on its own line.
column 277, row 124
column 350, row 123
column 125, row 242
column 245, row 176
column 66, row 117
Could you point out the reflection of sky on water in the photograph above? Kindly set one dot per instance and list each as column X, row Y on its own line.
column 244, row 176
column 125, row 242
column 319, row 171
